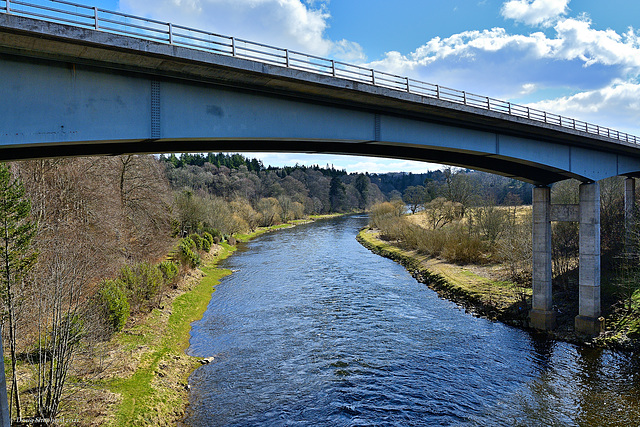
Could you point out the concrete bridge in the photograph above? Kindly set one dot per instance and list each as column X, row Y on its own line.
column 79, row 80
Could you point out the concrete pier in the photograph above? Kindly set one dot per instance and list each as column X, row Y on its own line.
column 588, row 320
column 542, row 315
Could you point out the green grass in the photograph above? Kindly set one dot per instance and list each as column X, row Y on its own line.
column 142, row 402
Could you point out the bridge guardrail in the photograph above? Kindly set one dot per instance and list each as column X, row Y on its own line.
column 66, row 12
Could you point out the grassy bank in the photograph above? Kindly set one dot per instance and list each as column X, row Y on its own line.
column 144, row 371
column 465, row 285
column 474, row 288
column 156, row 393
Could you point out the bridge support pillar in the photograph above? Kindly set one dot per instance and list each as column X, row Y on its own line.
column 542, row 315
column 588, row 320
column 629, row 211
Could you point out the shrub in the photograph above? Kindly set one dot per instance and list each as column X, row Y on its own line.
column 188, row 256
column 212, row 231
column 141, row 282
column 113, row 299
column 130, row 279
column 151, row 279
column 197, row 240
column 206, row 245
column 208, row 237
column 188, row 242
column 461, row 248
column 383, row 213
column 169, row 270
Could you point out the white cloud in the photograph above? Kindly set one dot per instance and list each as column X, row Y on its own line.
column 580, row 41
column 291, row 24
column 528, row 88
column 616, row 105
column 599, row 66
column 536, row 12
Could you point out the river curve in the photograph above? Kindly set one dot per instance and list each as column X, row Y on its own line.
column 313, row 329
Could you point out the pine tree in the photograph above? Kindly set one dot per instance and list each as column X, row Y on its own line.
column 16, row 258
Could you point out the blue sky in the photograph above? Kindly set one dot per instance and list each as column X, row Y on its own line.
column 578, row 58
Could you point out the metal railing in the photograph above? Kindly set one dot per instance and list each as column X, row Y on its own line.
column 62, row 11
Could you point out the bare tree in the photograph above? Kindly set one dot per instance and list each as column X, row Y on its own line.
column 16, row 259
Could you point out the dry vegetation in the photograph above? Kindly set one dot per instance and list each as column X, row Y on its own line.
column 102, row 227
column 458, row 243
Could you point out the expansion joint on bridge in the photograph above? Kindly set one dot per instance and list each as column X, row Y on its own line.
column 155, row 109
column 376, row 127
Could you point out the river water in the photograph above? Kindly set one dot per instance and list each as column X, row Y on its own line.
column 313, row 329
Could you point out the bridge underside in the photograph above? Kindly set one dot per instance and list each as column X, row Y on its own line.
column 62, row 109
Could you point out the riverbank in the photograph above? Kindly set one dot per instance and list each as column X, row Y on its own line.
column 481, row 292
column 140, row 376
column 478, row 293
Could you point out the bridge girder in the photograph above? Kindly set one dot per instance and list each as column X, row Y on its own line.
column 72, row 91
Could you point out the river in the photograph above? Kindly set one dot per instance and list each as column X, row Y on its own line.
column 313, row 329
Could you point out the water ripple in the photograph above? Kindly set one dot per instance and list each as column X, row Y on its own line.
column 315, row 330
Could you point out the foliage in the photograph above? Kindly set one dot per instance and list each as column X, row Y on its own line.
column 197, row 240
column 385, row 214
column 337, row 195
column 187, row 253
column 414, row 196
column 206, row 245
column 441, row 212
column 141, row 282
column 114, row 300
column 169, row 270
column 491, row 221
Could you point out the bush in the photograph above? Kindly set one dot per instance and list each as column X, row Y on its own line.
column 113, row 299
column 197, row 240
column 169, row 270
column 383, row 214
column 206, row 245
column 129, row 279
column 151, row 279
column 188, row 256
column 141, row 282
column 208, row 237
column 211, row 231
column 188, row 242
column 461, row 248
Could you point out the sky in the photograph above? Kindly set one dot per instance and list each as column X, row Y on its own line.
column 577, row 58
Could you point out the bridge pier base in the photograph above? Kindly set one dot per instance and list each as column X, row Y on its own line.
column 542, row 315
column 588, row 320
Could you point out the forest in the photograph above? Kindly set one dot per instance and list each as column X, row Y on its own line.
column 92, row 244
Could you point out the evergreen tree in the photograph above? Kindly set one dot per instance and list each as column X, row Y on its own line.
column 16, row 258
column 362, row 185
column 337, row 195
